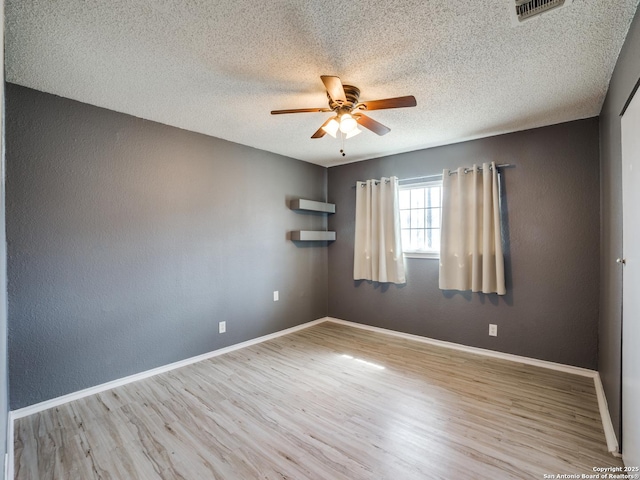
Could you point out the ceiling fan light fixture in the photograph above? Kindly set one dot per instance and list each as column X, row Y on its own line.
column 353, row 133
column 332, row 127
column 347, row 123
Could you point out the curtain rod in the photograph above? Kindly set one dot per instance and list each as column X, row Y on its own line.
column 466, row 170
column 470, row 169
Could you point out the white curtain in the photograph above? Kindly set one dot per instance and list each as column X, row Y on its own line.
column 471, row 238
column 378, row 247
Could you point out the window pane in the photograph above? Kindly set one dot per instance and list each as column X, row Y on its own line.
column 420, row 216
column 417, row 218
column 417, row 198
column 417, row 239
column 406, row 240
column 421, row 244
column 433, row 239
column 405, row 218
column 433, row 218
column 433, row 196
column 405, row 199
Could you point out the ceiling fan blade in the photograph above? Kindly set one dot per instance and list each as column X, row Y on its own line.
column 320, row 132
column 334, row 88
column 300, row 110
column 371, row 124
column 397, row 102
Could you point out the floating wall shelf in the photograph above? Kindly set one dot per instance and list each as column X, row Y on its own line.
column 302, row 205
column 312, row 206
column 312, row 236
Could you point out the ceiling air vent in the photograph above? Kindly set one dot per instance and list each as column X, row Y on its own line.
column 523, row 10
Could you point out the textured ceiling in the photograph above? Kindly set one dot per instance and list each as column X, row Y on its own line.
column 219, row 67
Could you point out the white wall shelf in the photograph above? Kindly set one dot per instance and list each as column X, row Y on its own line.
column 313, row 236
column 312, row 206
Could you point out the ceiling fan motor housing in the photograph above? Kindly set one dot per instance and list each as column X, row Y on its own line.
column 352, row 95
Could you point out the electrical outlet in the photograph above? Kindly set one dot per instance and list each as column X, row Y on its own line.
column 493, row 330
column 222, row 327
column 276, row 296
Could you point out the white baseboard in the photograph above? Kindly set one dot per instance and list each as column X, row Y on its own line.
column 585, row 372
column 612, row 443
column 607, row 425
column 54, row 402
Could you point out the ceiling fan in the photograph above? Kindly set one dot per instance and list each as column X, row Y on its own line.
column 344, row 102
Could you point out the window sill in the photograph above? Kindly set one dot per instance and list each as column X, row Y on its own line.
column 432, row 255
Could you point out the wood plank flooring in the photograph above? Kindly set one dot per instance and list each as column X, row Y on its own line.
column 328, row 402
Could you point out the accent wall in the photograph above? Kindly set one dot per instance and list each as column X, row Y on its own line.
column 128, row 241
column 551, row 224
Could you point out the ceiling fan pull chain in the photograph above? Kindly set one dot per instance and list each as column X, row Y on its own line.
column 342, row 149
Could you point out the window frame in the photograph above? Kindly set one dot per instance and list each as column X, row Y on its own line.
column 436, row 181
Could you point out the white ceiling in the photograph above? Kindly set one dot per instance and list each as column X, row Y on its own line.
column 220, row 67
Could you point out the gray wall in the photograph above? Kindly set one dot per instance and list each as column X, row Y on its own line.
column 128, row 241
column 625, row 76
column 551, row 222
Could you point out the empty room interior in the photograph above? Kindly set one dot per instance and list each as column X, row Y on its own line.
column 320, row 240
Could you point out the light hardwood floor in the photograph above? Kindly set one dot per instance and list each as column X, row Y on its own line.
column 328, row 402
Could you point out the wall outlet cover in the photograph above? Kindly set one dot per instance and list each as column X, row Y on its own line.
column 493, row 330
column 276, row 296
column 222, row 327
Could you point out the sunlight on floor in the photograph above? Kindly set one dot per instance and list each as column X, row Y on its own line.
column 364, row 362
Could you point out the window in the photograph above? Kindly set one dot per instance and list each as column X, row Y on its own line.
column 420, row 207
